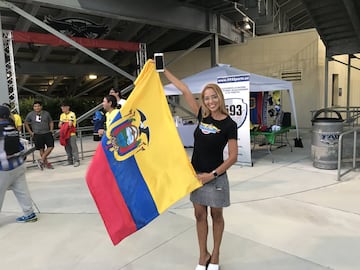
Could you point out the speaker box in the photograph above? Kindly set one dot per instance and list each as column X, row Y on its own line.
column 286, row 121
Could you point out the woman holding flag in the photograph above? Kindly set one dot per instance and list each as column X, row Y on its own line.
column 215, row 130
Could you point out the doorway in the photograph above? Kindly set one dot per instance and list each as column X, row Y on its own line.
column 336, row 91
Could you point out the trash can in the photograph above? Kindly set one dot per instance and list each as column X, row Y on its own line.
column 325, row 138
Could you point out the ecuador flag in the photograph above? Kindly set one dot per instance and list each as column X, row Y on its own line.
column 140, row 167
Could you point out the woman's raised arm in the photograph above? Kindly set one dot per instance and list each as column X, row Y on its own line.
column 184, row 89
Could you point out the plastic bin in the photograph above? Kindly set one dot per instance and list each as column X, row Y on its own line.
column 325, row 139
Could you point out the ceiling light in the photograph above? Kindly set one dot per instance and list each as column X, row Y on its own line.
column 247, row 22
column 92, row 76
column 246, row 26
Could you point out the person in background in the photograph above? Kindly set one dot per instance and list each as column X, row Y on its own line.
column 15, row 117
column 215, row 130
column 117, row 94
column 109, row 104
column 99, row 122
column 12, row 167
column 67, row 125
column 42, row 129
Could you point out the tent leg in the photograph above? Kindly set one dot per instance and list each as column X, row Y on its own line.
column 298, row 142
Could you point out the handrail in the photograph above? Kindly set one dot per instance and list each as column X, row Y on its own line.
column 80, row 135
column 80, row 131
column 354, row 131
column 99, row 106
column 88, row 113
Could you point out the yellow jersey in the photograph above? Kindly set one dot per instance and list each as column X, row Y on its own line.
column 69, row 117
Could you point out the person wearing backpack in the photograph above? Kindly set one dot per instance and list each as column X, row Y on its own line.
column 12, row 167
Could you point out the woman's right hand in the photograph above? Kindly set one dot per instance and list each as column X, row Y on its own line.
column 205, row 177
column 101, row 132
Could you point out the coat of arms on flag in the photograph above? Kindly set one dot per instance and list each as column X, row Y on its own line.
column 140, row 167
column 128, row 135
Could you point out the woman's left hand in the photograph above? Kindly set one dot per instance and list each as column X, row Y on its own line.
column 205, row 177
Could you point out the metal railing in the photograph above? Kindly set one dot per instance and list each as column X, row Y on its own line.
column 80, row 131
column 340, row 148
column 80, row 135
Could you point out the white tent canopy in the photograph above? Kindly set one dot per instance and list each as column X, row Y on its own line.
column 258, row 83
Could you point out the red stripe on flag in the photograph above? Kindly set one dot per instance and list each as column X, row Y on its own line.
column 108, row 198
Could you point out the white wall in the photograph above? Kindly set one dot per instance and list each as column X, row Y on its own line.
column 341, row 70
column 273, row 54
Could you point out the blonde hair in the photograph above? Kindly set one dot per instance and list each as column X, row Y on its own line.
column 219, row 93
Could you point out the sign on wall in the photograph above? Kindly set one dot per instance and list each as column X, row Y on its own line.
column 236, row 89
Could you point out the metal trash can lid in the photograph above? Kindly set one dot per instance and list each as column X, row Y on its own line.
column 326, row 119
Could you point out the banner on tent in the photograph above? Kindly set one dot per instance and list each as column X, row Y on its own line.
column 236, row 89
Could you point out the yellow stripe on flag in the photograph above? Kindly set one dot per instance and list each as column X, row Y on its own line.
column 164, row 163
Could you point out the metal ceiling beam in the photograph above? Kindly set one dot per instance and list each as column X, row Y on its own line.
column 195, row 46
column 308, row 5
column 354, row 17
column 343, row 46
column 292, row 8
column 63, row 69
column 34, row 92
column 79, row 56
column 21, row 12
column 345, row 14
column 163, row 13
column 97, row 84
column 23, row 24
column 170, row 39
column 335, row 60
column 42, row 53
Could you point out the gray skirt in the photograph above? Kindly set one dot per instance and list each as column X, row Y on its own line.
column 214, row 193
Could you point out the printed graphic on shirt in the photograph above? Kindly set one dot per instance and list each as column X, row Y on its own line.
column 208, row 128
column 38, row 118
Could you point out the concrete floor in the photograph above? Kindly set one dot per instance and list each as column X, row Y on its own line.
column 284, row 215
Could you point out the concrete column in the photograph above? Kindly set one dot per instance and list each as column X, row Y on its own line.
column 214, row 50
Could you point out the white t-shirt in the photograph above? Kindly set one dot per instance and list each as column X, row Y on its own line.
column 121, row 101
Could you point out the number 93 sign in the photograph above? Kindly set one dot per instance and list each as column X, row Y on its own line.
column 237, row 110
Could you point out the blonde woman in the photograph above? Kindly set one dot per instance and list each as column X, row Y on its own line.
column 215, row 130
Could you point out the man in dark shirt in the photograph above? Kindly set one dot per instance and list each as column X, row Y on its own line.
column 42, row 128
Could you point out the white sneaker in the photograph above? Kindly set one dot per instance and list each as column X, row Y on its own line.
column 213, row 267
column 40, row 164
column 76, row 164
column 67, row 163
